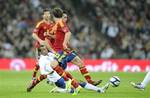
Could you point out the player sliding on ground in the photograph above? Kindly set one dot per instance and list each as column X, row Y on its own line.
column 143, row 84
column 47, row 63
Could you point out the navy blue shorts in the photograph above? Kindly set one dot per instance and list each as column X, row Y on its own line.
column 68, row 58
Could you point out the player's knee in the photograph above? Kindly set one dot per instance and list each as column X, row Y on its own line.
column 54, row 64
column 60, row 83
column 77, row 61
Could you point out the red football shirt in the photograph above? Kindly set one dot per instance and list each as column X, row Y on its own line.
column 41, row 28
column 60, row 35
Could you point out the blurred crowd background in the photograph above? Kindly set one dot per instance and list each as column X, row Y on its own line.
column 100, row 28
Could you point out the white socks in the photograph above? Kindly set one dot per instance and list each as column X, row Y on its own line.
column 92, row 87
column 146, row 79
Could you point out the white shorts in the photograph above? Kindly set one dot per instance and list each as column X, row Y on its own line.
column 46, row 69
column 53, row 77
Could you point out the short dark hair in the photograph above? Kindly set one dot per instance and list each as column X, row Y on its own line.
column 57, row 12
column 45, row 10
column 39, row 49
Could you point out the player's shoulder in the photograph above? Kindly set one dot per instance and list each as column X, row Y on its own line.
column 43, row 58
column 39, row 23
column 61, row 23
column 51, row 24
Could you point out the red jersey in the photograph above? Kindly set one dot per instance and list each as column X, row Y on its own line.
column 41, row 28
column 60, row 35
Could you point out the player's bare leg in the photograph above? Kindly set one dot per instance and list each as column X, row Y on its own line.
column 77, row 61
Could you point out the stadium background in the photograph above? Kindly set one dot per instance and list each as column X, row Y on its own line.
column 110, row 35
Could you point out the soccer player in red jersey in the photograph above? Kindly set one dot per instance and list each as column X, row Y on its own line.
column 61, row 44
column 39, row 34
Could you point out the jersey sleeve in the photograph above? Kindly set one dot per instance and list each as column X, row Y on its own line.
column 64, row 27
column 37, row 28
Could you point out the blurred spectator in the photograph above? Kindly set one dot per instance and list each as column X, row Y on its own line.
column 123, row 24
column 8, row 50
column 107, row 52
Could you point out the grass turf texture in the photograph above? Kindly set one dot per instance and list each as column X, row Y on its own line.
column 13, row 85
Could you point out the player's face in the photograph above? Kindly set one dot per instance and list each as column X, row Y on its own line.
column 46, row 15
column 65, row 17
column 44, row 50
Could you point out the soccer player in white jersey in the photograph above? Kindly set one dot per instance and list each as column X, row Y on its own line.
column 46, row 62
column 143, row 84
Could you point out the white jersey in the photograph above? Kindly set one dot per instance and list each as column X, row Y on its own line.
column 45, row 67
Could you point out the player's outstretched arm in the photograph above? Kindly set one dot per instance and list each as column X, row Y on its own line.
column 34, row 35
column 48, row 45
column 66, row 40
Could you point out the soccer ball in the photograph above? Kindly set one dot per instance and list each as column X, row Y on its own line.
column 114, row 81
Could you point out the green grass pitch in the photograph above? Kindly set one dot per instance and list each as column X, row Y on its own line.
column 13, row 85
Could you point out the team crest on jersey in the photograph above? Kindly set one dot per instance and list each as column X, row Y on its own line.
column 44, row 27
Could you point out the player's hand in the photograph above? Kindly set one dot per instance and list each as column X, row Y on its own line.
column 65, row 46
column 42, row 42
column 48, row 34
